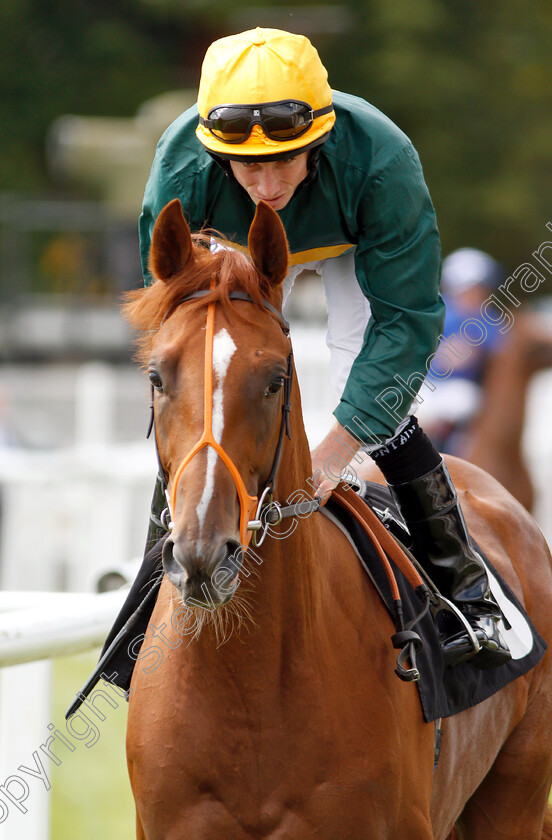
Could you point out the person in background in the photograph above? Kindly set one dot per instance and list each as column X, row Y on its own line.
column 469, row 277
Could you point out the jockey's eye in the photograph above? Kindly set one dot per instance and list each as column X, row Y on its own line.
column 155, row 380
column 274, row 387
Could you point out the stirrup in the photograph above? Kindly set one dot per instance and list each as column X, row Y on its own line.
column 487, row 650
column 444, row 605
column 438, row 604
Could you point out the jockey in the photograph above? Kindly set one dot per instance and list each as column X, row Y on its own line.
column 349, row 189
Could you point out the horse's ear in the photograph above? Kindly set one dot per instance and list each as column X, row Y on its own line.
column 171, row 242
column 268, row 244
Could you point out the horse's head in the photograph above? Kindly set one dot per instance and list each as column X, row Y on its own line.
column 218, row 356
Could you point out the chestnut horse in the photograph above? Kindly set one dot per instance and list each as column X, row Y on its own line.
column 274, row 712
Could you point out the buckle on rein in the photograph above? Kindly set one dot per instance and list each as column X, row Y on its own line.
column 405, row 639
column 257, row 524
column 270, row 513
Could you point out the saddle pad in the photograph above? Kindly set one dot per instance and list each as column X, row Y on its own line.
column 445, row 691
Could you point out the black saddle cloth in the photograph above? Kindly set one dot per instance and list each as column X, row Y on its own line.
column 443, row 691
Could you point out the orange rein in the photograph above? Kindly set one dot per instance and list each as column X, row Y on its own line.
column 381, row 538
column 248, row 503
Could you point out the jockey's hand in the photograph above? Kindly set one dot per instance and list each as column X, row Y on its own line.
column 330, row 458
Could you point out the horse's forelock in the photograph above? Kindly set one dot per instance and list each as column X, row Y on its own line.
column 146, row 309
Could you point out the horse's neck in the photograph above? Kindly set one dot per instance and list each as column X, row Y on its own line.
column 290, row 555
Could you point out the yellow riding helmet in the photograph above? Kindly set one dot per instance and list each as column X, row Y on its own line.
column 264, row 66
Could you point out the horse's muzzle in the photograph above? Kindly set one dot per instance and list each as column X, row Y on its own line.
column 205, row 576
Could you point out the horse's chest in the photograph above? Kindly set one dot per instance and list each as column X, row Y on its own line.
column 329, row 811
column 265, row 785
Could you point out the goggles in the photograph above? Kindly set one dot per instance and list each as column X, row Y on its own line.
column 283, row 120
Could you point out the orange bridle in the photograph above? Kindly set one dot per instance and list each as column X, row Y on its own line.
column 250, row 508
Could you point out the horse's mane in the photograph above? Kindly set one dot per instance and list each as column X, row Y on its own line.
column 147, row 308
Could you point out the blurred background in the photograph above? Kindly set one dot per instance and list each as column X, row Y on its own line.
column 86, row 89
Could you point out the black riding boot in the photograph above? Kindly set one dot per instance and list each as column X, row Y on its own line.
column 430, row 507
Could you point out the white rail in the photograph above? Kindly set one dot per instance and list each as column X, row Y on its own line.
column 40, row 625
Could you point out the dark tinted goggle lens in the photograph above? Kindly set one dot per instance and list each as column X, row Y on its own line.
column 232, row 125
column 285, row 121
column 279, row 120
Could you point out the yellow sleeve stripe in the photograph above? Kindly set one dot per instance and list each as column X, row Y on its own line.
column 316, row 254
column 301, row 257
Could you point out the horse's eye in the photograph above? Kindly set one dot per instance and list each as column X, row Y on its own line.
column 155, row 380
column 274, row 387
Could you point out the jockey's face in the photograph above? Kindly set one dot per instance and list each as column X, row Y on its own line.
column 271, row 181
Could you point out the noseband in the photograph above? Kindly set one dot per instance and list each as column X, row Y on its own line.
column 251, row 507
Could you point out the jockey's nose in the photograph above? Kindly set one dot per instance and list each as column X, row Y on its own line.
column 268, row 184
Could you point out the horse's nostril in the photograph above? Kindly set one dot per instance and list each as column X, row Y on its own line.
column 217, row 564
column 233, row 551
column 227, row 555
column 226, row 564
column 174, row 568
column 167, row 552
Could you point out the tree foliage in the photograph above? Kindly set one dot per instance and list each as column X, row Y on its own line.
column 73, row 56
column 469, row 81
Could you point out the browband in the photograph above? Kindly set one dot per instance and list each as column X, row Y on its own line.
column 243, row 296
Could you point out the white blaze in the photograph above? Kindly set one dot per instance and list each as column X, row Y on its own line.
column 223, row 350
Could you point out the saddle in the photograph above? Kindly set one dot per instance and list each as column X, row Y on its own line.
column 372, row 528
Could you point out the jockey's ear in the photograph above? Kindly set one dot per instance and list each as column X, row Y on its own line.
column 171, row 242
column 268, row 244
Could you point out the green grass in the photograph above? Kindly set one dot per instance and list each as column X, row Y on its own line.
column 91, row 796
